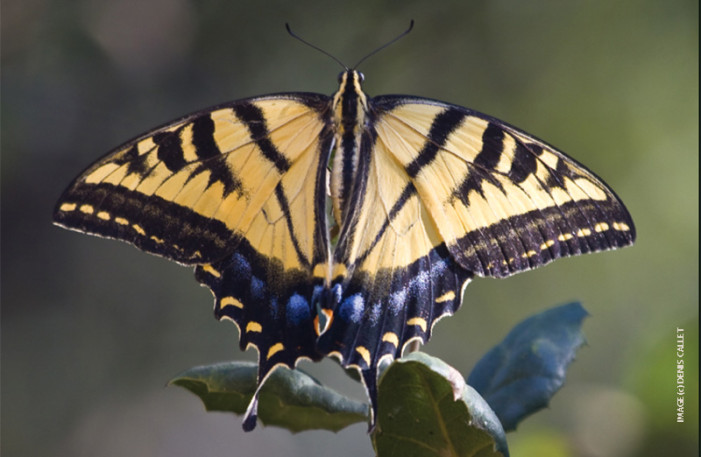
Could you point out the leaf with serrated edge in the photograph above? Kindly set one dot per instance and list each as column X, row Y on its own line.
column 289, row 399
column 426, row 409
column 518, row 376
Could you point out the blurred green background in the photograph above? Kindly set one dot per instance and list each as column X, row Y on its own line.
column 93, row 329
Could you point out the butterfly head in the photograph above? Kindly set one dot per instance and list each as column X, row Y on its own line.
column 350, row 102
column 350, row 82
column 344, row 75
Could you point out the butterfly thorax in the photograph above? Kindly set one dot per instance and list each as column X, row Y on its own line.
column 350, row 108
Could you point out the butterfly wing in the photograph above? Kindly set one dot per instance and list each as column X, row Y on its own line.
column 239, row 192
column 445, row 193
column 504, row 201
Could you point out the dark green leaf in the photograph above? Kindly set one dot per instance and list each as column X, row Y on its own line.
column 520, row 375
column 426, row 409
column 289, row 398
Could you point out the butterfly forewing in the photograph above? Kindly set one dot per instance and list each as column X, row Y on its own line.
column 502, row 200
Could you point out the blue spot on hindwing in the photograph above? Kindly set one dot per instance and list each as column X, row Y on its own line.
column 375, row 312
column 438, row 268
column 240, row 266
column 397, row 301
column 336, row 294
column 298, row 309
column 273, row 307
column 352, row 308
column 419, row 285
column 257, row 288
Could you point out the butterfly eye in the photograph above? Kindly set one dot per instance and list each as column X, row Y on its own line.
column 340, row 76
column 361, row 77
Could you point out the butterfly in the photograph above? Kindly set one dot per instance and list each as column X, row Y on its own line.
column 343, row 225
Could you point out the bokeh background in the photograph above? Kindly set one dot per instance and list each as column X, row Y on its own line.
column 93, row 329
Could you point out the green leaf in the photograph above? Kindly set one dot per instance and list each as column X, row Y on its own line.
column 520, row 375
column 289, row 399
column 426, row 409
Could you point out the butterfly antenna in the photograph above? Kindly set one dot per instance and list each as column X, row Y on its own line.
column 401, row 35
column 294, row 35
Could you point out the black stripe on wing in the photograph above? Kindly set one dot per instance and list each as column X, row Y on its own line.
column 151, row 223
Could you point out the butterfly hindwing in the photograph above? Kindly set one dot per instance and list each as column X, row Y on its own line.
column 392, row 276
